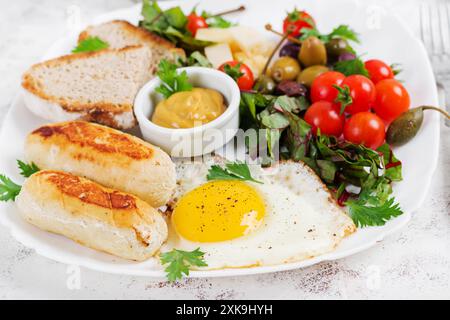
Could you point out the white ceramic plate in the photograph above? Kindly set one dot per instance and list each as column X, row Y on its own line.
column 387, row 38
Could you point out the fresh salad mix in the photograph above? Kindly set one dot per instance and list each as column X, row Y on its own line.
column 320, row 102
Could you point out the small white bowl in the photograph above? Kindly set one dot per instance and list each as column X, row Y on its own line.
column 192, row 141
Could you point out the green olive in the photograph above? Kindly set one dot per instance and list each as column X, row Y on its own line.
column 312, row 52
column 406, row 126
column 285, row 68
column 335, row 47
column 264, row 84
column 307, row 76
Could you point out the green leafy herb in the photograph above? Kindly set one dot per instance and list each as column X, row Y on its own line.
column 367, row 215
column 8, row 189
column 180, row 261
column 232, row 171
column 90, row 44
column 170, row 24
column 26, row 169
column 173, row 81
column 349, row 67
column 342, row 31
column 395, row 67
column 216, row 21
column 234, row 72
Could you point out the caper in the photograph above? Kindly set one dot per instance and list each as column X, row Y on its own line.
column 307, row 76
column 264, row 84
column 312, row 52
column 406, row 126
column 337, row 46
column 285, row 68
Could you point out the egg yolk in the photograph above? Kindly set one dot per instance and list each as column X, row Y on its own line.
column 218, row 211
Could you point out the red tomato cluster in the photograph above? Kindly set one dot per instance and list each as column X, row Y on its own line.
column 356, row 106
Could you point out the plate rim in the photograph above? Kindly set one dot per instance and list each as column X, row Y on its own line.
column 109, row 268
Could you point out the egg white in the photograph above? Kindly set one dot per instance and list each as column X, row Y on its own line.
column 302, row 219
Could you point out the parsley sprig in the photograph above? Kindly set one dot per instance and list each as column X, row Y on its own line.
column 232, row 171
column 90, row 44
column 8, row 189
column 349, row 67
column 172, row 81
column 341, row 31
column 26, row 169
column 364, row 214
column 179, row 262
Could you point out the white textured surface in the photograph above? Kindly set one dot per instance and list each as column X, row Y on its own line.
column 414, row 263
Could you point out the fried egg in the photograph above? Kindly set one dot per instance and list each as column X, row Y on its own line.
column 290, row 216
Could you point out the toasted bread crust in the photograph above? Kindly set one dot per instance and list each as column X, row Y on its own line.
column 102, row 111
column 99, row 110
column 140, row 33
column 100, row 138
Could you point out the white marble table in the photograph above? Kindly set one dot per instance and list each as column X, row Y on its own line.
column 413, row 263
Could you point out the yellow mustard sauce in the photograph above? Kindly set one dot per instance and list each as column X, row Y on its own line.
column 189, row 109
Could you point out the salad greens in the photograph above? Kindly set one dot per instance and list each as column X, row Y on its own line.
column 349, row 67
column 171, row 24
column 337, row 162
column 342, row 31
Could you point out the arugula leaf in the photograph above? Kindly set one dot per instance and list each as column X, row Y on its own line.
column 349, row 67
column 232, row 171
column 172, row 80
column 8, row 189
column 365, row 215
column 179, row 262
column 342, row 31
column 90, row 44
column 26, row 169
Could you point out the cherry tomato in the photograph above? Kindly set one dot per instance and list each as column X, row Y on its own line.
column 325, row 116
column 365, row 128
column 195, row 22
column 378, row 70
column 392, row 99
column 240, row 72
column 322, row 86
column 362, row 92
column 296, row 21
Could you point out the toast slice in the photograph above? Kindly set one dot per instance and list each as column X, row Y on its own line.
column 98, row 86
column 121, row 33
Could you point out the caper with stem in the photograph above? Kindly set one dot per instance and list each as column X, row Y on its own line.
column 406, row 126
column 265, row 84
